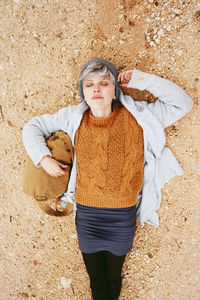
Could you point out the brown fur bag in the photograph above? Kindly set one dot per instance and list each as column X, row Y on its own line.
column 43, row 187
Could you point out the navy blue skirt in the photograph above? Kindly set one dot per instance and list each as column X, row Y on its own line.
column 110, row 229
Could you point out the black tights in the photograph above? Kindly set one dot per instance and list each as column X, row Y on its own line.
column 104, row 269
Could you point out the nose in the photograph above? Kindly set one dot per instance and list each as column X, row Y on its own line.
column 96, row 88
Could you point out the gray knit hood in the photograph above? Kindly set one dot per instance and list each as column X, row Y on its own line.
column 109, row 65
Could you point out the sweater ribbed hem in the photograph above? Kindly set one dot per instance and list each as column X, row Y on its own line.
column 106, row 201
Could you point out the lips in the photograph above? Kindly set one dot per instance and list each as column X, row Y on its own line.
column 97, row 97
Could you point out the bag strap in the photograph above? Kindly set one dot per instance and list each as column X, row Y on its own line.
column 58, row 211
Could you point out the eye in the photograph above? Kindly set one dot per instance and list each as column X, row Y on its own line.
column 104, row 83
column 87, row 84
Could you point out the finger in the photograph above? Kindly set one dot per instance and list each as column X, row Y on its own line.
column 57, row 174
column 63, row 165
column 119, row 77
column 126, row 74
column 129, row 74
column 57, row 171
column 61, row 172
column 53, row 174
column 123, row 76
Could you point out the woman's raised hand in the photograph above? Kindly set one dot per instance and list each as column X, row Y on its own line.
column 125, row 77
column 52, row 166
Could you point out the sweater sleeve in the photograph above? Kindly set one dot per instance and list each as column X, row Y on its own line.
column 172, row 104
column 40, row 128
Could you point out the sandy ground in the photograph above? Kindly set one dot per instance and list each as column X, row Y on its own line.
column 43, row 45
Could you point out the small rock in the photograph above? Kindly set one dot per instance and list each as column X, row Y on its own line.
column 131, row 23
column 63, row 50
column 179, row 52
column 65, row 282
column 168, row 28
column 177, row 11
column 149, row 20
column 150, row 255
column 10, row 123
column 157, row 41
column 148, row 38
column 12, row 39
column 147, row 45
column 73, row 236
column 161, row 32
column 24, row 295
column 172, row 59
column 155, row 30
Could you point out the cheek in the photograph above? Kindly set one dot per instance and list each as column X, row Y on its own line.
column 112, row 93
column 85, row 93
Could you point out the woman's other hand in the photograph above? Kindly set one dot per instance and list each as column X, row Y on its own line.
column 52, row 166
column 125, row 77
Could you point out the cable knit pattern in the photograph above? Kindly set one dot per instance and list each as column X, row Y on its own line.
column 109, row 159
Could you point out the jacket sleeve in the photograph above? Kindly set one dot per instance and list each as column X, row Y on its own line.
column 40, row 128
column 172, row 103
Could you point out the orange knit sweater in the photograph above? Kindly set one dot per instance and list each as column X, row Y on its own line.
column 109, row 159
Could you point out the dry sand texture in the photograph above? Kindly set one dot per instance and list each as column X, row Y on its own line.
column 43, row 45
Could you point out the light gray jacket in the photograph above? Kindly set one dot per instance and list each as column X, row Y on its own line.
column 160, row 165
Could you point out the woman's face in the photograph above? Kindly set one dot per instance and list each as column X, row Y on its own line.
column 99, row 91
